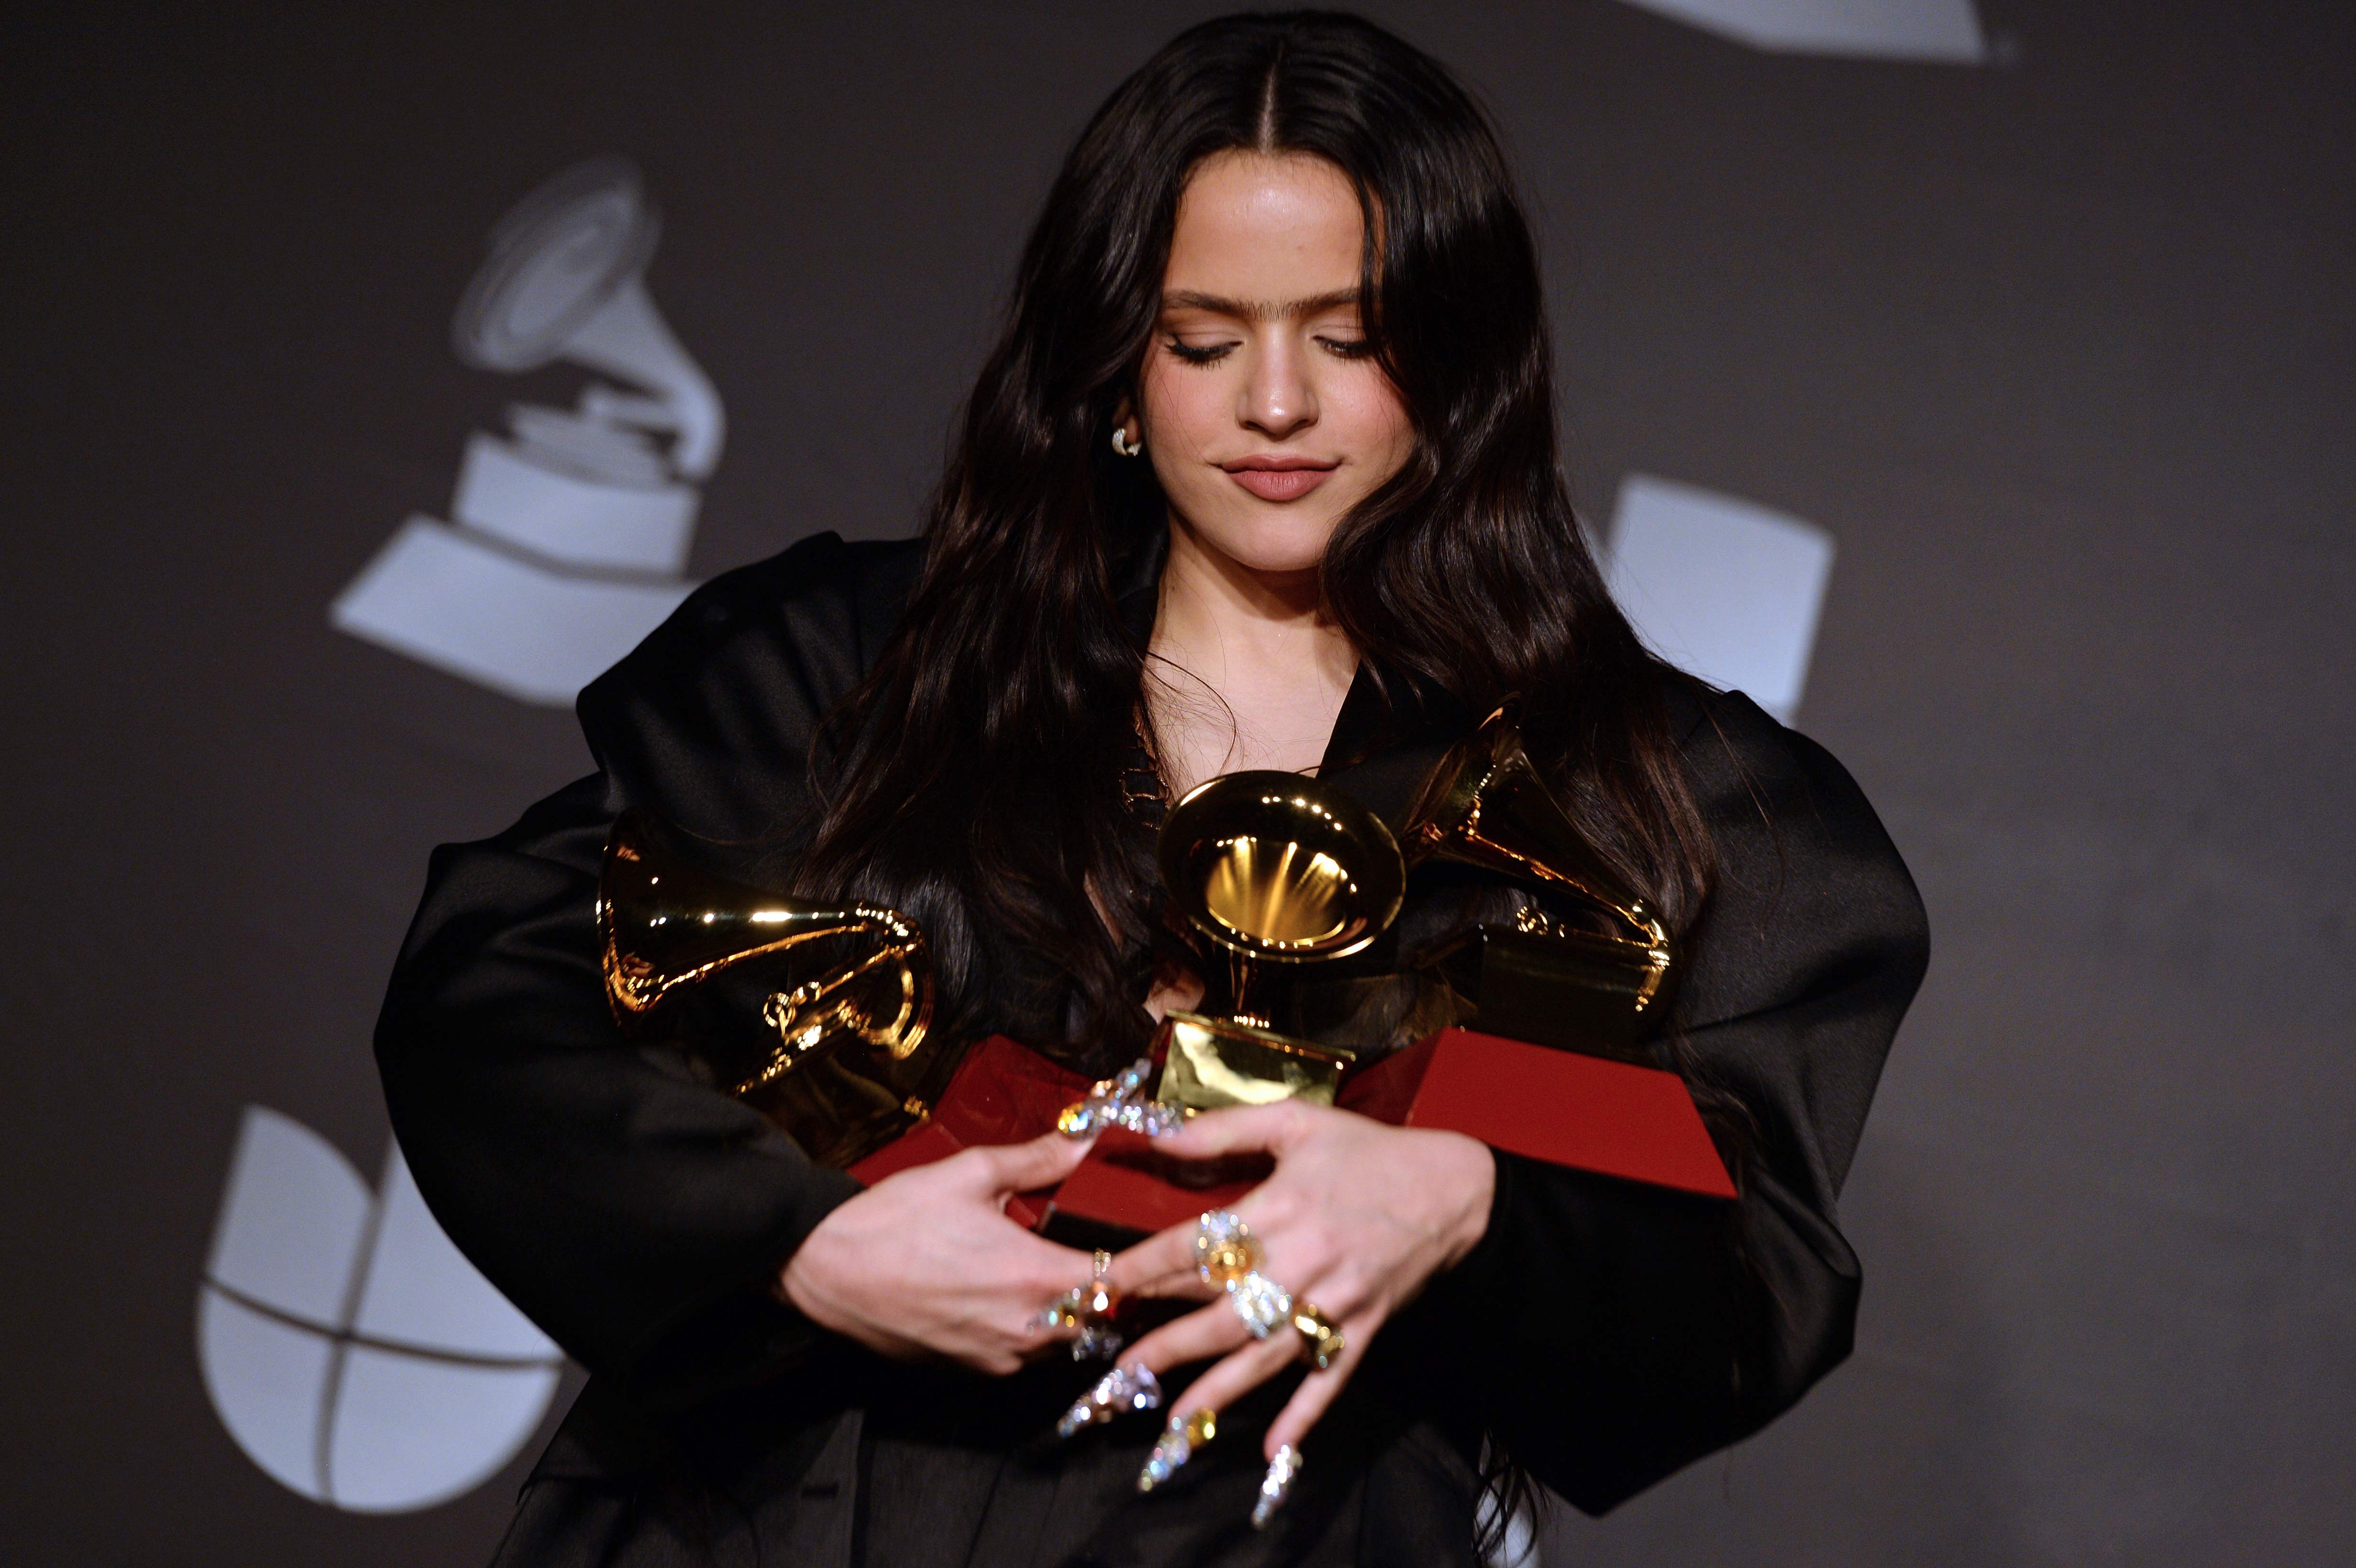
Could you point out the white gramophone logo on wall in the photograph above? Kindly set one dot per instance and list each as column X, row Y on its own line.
column 1944, row 32
column 567, row 539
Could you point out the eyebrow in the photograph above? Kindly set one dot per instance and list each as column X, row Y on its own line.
column 1258, row 310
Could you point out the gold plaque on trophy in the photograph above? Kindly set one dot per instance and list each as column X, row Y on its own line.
column 1211, row 1063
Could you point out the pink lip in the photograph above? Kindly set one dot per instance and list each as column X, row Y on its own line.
column 1273, row 478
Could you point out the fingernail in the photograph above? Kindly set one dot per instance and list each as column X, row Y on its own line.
column 1106, row 1103
column 1156, row 1120
column 1176, row 1445
column 1120, row 1390
column 1276, row 1486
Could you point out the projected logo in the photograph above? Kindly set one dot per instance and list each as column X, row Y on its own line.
column 1727, row 590
column 568, row 536
column 347, row 1346
column 1935, row 31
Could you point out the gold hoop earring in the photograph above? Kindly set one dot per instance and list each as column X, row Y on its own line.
column 1122, row 443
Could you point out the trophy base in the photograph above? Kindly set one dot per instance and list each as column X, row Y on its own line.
column 1210, row 1063
column 1565, row 1107
column 1571, row 990
column 1560, row 1106
column 1128, row 1189
column 1004, row 1093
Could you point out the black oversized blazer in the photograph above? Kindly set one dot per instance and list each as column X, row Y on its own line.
column 1604, row 1333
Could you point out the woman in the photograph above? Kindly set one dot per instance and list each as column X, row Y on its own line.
column 1262, row 473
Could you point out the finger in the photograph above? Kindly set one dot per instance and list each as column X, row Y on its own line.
column 1243, row 1129
column 1042, row 1272
column 1161, row 1264
column 1214, row 1330
column 1236, row 1375
column 1319, row 1390
column 1050, row 1271
column 1050, row 1266
column 1018, row 1168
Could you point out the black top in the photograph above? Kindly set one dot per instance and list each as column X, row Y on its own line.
column 1606, row 1333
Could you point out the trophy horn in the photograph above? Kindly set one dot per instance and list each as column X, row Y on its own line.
column 1276, row 865
column 1270, row 865
column 1486, row 805
column 670, row 931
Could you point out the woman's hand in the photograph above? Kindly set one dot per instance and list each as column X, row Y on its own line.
column 1356, row 1219
column 926, row 1263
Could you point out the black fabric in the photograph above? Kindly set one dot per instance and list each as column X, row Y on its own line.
column 1606, row 1333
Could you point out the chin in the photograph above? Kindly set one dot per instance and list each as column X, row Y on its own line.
column 1279, row 543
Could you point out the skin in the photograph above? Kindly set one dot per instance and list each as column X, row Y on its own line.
column 1257, row 363
column 1257, row 357
column 925, row 1265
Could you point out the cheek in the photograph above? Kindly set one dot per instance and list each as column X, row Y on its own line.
column 1182, row 409
column 1184, row 413
column 1366, row 411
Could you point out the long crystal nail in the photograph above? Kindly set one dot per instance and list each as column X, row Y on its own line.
column 1120, row 1390
column 1155, row 1119
column 1276, row 1486
column 1176, row 1445
column 1107, row 1102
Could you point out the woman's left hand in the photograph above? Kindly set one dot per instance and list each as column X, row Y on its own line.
column 1356, row 1219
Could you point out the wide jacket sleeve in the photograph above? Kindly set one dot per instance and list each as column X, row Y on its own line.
column 1607, row 1333
column 635, row 1214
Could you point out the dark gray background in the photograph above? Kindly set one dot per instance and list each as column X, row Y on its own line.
column 2060, row 351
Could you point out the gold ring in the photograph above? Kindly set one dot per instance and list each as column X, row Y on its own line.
column 1084, row 1305
column 1317, row 1332
column 1224, row 1250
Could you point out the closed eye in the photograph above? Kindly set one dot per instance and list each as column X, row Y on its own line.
column 1202, row 354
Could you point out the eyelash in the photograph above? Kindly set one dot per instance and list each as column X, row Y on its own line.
column 1356, row 348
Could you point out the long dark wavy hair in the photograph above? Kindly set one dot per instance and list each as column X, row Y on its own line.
column 975, row 775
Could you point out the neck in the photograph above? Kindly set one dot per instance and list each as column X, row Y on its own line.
column 1220, row 611
column 1248, row 669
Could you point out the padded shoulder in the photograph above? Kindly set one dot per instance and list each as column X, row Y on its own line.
column 1780, row 806
column 709, row 721
column 1812, row 916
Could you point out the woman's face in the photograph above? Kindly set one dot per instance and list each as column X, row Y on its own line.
column 1262, row 413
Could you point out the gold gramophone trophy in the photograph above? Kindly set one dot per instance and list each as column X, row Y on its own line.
column 1596, row 980
column 817, row 1016
column 1547, row 1053
column 1275, row 870
column 820, row 1016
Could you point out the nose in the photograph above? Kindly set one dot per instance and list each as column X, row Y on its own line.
column 1279, row 401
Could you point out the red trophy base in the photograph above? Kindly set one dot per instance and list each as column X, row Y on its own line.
column 1585, row 1111
column 1128, row 1189
column 1589, row 1112
column 1002, row 1093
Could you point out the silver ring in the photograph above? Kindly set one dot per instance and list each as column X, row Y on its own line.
column 1261, row 1302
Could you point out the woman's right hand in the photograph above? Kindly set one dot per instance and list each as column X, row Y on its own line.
column 925, row 1264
